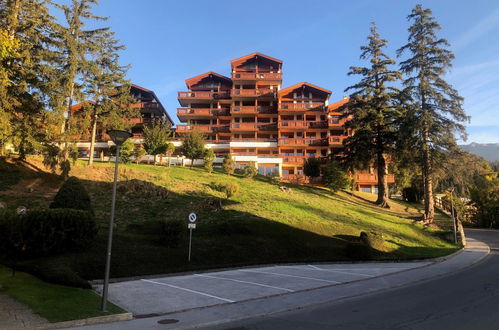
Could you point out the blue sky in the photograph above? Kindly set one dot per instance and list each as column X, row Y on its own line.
column 168, row 41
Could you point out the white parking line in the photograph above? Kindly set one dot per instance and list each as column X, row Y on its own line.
column 287, row 275
column 329, row 270
column 189, row 290
column 241, row 281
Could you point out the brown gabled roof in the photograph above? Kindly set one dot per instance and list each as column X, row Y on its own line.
column 334, row 107
column 246, row 57
column 191, row 81
column 157, row 100
column 291, row 88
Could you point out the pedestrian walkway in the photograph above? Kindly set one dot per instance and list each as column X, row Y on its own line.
column 14, row 315
column 163, row 295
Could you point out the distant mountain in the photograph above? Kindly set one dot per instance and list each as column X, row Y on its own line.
column 489, row 151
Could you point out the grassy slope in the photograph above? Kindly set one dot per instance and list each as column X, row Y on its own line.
column 260, row 225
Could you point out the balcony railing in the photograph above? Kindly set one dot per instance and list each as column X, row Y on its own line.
column 302, row 142
column 317, row 124
column 252, row 92
column 363, row 178
column 336, row 122
column 202, row 95
column 293, row 159
column 252, row 140
column 264, row 76
column 202, row 128
column 251, row 109
column 301, row 106
column 292, row 124
column 243, row 126
column 145, row 105
column 336, row 139
column 267, row 127
column 142, row 120
column 194, row 112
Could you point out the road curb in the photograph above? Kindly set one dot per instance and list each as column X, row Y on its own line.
column 87, row 321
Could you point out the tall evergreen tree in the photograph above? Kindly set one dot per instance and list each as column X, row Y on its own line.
column 75, row 43
column 26, row 83
column 375, row 112
column 436, row 111
column 105, row 85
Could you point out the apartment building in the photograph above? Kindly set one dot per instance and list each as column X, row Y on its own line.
column 150, row 109
column 251, row 116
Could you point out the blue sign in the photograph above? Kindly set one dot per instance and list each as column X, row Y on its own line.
column 192, row 217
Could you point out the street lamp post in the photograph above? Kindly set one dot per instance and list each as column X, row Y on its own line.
column 118, row 137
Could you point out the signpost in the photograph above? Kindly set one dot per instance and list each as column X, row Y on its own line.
column 191, row 226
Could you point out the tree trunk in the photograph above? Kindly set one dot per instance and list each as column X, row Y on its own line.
column 192, row 162
column 92, row 140
column 169, row 159
column 429, row 210
column 155, row 161
column 383, row 198
column 161, row 159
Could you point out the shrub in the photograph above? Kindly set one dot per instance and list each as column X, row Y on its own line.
column 335, row 178
column 72, row 195
column 43, row 232
column 139, row 153
column 52, row 271
column 126, row 151
column 228, row 164
column 250, row 170
column 373, row 240
column 171, row 231
column 10, row 234
column 209, row 158
column 357, row 251
column 275, row 178
column 231, row 189
column 312, row 167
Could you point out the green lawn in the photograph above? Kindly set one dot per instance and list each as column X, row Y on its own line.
column 261, row 224
column 54, row 302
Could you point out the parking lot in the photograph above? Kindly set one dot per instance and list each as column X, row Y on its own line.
column 150, row 296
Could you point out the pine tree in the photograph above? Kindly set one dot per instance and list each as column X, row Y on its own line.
column 105, row 85
column 312, row 168
column 229, row 164
column 209, row 158
column 156, row 138
column 375, row 112
column 436, row 111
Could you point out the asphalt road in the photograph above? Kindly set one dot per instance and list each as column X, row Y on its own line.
column 468, row 299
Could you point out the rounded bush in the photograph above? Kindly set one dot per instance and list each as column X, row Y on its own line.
column 51, row 231
column 72, row 195
column 231, row 189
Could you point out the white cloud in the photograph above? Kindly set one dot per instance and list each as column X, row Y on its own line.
column 478, row 30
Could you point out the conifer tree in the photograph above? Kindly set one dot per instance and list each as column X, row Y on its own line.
column 74, row 43
column 436, row 110
column 28, row 27
column 106, row 87
column 375, row 112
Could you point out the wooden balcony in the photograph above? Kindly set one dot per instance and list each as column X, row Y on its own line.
column 261, row 92
column 267, row 126
column 193, row 112
column 145, row 105
column 320, row 124
column 336, row 140
column 302, row 142
column 295, row 160
column 252, row 140
column 292, row 124
column 203, row 95
column 367, row 178
column 333, row 122
column 297, row 107
column 243, row 126
column 251, row 109
column 145, row 121
column 254, row 76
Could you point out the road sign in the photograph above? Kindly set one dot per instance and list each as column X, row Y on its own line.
column 191, row 226
column 192, row 217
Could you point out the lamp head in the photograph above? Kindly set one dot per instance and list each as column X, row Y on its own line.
column 118, row 136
